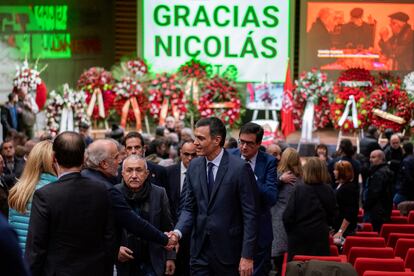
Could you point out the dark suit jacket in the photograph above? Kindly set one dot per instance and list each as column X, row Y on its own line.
column 158, row 174
column 265, row 172
column 10, row 177
column 173, row 189
column 71, row 229
column 6, row 120
column 11, row 261
column 229, row 217
column 160, row 217
column 124, row 215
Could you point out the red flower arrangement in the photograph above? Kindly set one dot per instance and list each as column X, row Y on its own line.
column 166, row 97
column 220, row 98
column 393, row 101
column 137, row 67
column 312, row 84
column 354, row 82
column 96, row 81
column 193, row 69
column 128, row 92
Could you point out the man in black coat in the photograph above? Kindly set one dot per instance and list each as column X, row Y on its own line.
column 138, row 256
column 102, row 166
column 405, row 178
column 134, row 144
column 393, row 156
column 9, row 115
column 13, row 165
column 377, row 199
column 176, row 190
column 71, row 230
column 11, row 261
column 367, row 145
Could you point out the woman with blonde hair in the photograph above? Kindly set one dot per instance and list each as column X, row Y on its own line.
column 289, row 174
column 310, row 211
column 37, row 173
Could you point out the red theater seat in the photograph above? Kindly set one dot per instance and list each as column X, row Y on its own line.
column 411, row 217
column 363, row 264
column 409, row 259
column 395, row 213
column 366, row 227
column 370, row 252
column 402, row 247
column 399, row 219
column 303, row 258
column 387, row 273
column 393, row 238
column 352, row 241
column 334, row 250
column 388, row 228
column 366, row 234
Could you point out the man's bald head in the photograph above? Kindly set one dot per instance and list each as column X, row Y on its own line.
column 377, row 157
column 395, row 141
column 274, row 150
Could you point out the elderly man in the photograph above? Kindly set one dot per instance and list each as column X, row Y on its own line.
column 102, row 165
column 399, row 47
column 137, row 256
column 393, row 156
column 377, row 199
column 275, row 151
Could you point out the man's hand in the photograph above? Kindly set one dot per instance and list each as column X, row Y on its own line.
column 169, row 267
column 125, row 254
column 288, row 177
column 246, row 267
column 172, row 240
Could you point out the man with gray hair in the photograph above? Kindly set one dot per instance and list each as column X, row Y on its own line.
column 377, row 199
column 101, row 166
column 136, row 255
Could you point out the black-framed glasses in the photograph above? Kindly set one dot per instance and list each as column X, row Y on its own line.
column 247, row 143
column 188, row 154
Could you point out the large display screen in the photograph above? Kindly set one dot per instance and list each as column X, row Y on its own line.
column 247, row 36
column 370, row 35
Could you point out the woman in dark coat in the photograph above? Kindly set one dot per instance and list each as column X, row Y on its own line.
column 347, row 196
column 310, row 211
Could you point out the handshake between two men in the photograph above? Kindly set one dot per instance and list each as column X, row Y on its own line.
column 172, row 241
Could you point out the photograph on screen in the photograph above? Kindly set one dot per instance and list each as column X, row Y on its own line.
column 374, row 36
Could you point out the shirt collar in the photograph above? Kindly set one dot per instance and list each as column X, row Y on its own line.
column 253, row 159
column 183, row 169
column 216, row 161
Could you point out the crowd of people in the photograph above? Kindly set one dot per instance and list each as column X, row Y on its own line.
column 186, row 202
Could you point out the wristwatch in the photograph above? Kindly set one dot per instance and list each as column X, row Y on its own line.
column 340, row 231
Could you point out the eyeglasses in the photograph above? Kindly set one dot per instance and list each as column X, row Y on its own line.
column 247, row 143
column 188, row 154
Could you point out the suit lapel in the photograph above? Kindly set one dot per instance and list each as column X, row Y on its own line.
column 203, row 178
column 259, row 161
column 222, row 169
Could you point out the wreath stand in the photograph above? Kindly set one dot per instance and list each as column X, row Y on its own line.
column 355, row 136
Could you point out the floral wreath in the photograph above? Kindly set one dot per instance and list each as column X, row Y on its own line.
column 221, row 99
column 166, row 97
column 31, row 76
column 57, row 102
column 98, row 84
column 133, row 68
column 130, row 92
column 409, row 84
column 312, row 85
column 356, row 83
column 390, row 107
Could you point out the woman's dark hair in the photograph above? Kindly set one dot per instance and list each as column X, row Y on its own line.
column 321, row 146
column 408, row 148
column 217, row 128
column 69, row 149
column 346, row 147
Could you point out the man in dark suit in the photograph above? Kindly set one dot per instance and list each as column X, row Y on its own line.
column 11, row 261
column 101, row 165
column 137, row 256
column 176, row 190
column 134, row 144
column 264, row 168
column 13, row 165
column 71, row 230
column 9, row 115
column 220, row 206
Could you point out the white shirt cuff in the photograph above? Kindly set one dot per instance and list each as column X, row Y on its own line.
column 178, row 232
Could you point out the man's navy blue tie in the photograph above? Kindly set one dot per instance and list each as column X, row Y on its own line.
column 210, row 178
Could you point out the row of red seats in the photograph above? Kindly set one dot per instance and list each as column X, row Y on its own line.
column 396, row 217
